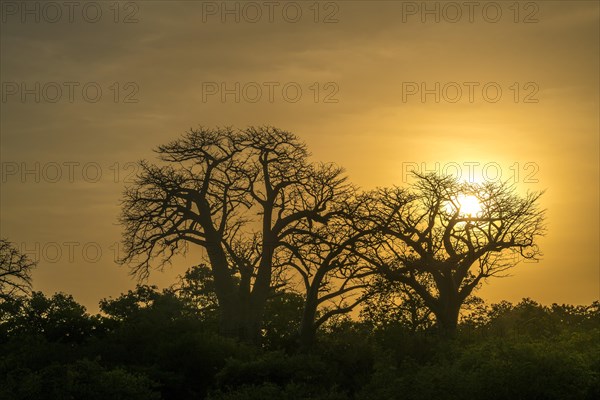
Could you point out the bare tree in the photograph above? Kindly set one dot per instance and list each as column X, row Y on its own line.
column 334, row 279
column 424, row 232
column 15, row 271
column 238, row 195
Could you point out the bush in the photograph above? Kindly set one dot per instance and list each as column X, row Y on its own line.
column 492, row 369
column 277, row 368
column 82, row 380
column 269, row 391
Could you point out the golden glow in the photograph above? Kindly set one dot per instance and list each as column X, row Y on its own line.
column 352, row 111
column 468, row 205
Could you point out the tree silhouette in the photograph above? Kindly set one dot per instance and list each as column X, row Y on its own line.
column 57, row 318
column 393, row 302
column 15, row 271
column 196, row 288
column 334, row 279
column 424, row 234
column 238, row 195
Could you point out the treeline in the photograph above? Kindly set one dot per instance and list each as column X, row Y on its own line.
column 312, row 289
column 150, row 344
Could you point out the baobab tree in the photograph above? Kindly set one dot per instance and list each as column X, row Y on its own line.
column 333, row 278
column 235, row 193
column 453, row 235
column 15, row 271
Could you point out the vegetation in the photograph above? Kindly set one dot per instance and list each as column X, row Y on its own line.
column 150, row 344
column 267, row 217
column 309, row 289
column 15, row 271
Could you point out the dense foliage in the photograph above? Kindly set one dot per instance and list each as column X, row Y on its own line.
column 151, row 344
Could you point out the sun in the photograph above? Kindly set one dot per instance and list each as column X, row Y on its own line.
column 468, row 205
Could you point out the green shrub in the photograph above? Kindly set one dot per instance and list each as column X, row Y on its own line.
column 82, row 380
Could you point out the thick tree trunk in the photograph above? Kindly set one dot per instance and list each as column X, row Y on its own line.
column 447, row 316
column 240, row 308
column 307, row 333
column 242, row 314
column 447, row 305
column 308, row 329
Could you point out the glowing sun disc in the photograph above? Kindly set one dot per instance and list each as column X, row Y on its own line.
column 468, row 205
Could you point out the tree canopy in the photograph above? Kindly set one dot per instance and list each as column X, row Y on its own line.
column 425, row 240
column 267, row 217
column 15, row 271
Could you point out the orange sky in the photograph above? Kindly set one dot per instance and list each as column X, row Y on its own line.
column 360, row 66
